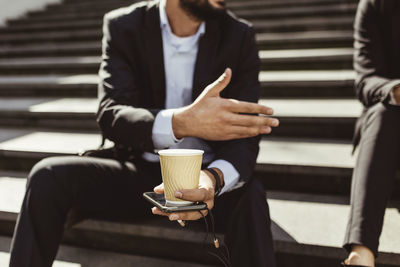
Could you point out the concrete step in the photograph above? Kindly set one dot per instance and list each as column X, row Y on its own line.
column 284, row 40
column 52, row 36
column 302, row 165
column 79, row 6
column 107, row 5
column 307, row 59
column 304, row 24
column 51, row 50
column 330, row 58
column 49, row 85
column 236, row 2
column 266, row 41
column 306, row 39
column 275, row 84
column 336, row 10
column 49, row 113
column 305, row 165
column 50, row 65
column 306, row 229
column 94, row 21
column 28, row 25
column 315, row 118
column 69, row 256
column 311, row 84
column 36, row 144
column 21, row 148
column 299, row 3
column 91, row 30
column 318, row 118
column 89, row 1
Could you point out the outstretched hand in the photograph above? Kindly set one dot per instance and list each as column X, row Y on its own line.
column 212, row 117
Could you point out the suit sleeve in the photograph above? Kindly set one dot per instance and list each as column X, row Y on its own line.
column 244, row 86
column 372, row 82
column 119, row 116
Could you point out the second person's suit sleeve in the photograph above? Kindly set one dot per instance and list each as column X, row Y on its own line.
column 370, row 63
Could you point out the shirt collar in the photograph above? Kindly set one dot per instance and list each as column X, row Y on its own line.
column 186, row 43
column 163, row 15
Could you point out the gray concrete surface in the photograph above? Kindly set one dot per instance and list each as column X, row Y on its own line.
column 272, row 151
column 69, row 256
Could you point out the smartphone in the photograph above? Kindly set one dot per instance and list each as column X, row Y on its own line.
column 158, row 200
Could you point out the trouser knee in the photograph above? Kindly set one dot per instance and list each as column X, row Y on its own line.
column 42, row 184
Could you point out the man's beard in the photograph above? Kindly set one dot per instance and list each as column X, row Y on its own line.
column 201, row 9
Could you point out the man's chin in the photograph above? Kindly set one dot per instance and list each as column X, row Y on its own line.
column 214, row 13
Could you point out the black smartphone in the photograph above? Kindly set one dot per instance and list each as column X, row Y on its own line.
column 158, row 200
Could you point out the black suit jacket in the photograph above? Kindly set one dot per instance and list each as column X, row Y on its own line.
column 377, row 52
column 132, row 87
column 377, row 49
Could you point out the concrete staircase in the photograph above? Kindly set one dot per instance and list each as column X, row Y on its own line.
column 48, row 86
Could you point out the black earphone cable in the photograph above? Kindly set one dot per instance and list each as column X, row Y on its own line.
column 222, row 258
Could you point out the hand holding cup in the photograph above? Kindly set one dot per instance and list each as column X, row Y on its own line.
column 203, row 193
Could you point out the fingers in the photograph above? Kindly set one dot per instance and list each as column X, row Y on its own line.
column 216, row 87
column 253, row 121
column 248, row 107
column 238, row 132
column 159, row 189
column 157, row 211
column 190, row 195
column 185, row 216
column 200, row 194
column 244, row 126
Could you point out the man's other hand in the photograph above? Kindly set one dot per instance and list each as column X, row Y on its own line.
column 204, row 193
column 212, row 117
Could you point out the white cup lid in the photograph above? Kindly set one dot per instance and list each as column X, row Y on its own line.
column 180, row 152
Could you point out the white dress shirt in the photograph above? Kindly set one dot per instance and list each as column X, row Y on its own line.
column 180, row 55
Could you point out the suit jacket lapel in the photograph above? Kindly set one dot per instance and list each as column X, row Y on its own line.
column 205, row 58
column 155, row 54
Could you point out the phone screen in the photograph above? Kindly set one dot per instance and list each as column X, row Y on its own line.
column 158, row 200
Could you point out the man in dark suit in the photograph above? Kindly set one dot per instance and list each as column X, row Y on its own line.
column 157, row 91
column 376, row 61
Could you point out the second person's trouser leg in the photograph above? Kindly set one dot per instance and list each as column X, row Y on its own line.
column 373, row 176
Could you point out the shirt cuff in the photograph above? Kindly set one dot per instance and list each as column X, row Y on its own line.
column 163, row 135
column 231, row 175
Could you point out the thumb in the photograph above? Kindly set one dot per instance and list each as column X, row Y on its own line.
column 159, row 189
column 216, row 87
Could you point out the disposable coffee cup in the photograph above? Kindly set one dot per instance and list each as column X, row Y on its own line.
column 180, row 169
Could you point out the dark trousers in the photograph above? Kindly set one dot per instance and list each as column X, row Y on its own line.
column 108, row 189
column 374, row 175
